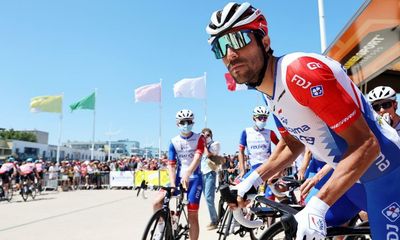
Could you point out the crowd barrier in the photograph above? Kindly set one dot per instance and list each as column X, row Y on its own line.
column 56, row 180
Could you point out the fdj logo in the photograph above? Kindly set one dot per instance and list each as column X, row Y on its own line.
column 392, row 212
column 317, row 91
column 301, row 82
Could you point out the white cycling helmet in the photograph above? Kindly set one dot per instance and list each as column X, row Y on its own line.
column 381, row 93
column 233, row 15
column 184, row 114
column 260, row 111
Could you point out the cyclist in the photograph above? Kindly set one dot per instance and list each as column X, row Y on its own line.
column 257, row 140
column 184, row 158
column 383, row 101
column 314, row 104
column 28, row 171
column 40, row 171
column 7, row 171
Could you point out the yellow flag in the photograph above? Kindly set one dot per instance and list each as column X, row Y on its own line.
column 46, row 104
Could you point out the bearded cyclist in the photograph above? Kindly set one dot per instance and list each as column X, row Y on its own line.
column 315, row 104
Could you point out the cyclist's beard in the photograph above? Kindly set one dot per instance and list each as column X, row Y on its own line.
column 245, row 75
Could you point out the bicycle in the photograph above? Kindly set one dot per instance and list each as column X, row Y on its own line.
column 287, row 226
column 27, row 189
column 175, row 221
column 268, row 216
column 6, row 195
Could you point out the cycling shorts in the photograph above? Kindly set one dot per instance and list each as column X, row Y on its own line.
column 193, row 193
column 30, row 176
column 5, row 177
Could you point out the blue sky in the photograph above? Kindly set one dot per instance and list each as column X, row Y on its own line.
column 74, row 46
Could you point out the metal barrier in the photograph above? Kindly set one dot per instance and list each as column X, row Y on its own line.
column 50, row 181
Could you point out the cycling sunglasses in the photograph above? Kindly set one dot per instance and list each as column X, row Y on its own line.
column 384, row 105
column 262, row 118
column 235, row 40
column 184, row 122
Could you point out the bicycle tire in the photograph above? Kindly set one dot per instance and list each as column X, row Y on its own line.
column 24, row 193
column 274, row 232
column 226, row 225
column 152, row 225
column 10, row 194
column 33, row 191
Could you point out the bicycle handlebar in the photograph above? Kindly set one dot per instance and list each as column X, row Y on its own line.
column 230, row 197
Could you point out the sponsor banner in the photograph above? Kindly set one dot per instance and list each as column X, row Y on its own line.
column 370, row 43
column 151, row 177
column 121, row 178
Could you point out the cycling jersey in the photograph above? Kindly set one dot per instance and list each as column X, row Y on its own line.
column 39, row 167
column 313, row 100
column 27, row 168
column 6, row 167
column 258, row 144
column 182, row 150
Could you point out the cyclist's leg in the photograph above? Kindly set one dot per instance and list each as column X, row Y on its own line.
column 194, row 195
column 383, row 199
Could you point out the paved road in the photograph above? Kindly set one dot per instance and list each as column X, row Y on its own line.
column 83, row 215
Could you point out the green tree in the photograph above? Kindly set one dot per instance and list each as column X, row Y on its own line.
column 11, row 134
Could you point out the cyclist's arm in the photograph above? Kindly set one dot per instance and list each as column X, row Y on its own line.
column 242, row 161
column 363, row 149
column 341, row 112
column 304, row 164
column 241, row 155
column 286, row 151
column 172, row 164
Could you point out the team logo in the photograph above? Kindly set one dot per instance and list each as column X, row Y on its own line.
column 317, row 223
column 317, row 91
column 301, row 82
column 314, row 65
column 392, row 212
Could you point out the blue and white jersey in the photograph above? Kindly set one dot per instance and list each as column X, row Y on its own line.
column 182, row 150
column 257, row 143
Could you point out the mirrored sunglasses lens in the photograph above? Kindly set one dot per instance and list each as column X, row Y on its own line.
column 235, row 40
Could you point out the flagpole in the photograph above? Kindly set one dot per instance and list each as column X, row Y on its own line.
column 159, row 136
column 60, row 134
column 322, row 24
column 205, row 100
column 94, row 125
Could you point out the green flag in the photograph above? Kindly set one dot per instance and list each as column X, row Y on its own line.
column 86, row 103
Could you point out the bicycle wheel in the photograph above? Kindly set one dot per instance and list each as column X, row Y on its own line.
column 152, row 232
column 274, row 232
column 10, row 193
column 25, row 192
column 256, row 233
column 221, row 209
column 226, row 225
column 33, row 191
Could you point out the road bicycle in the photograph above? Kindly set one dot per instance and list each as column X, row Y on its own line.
column 27, row 189
column 174, row 219
column 228, row 224
column 287, row 226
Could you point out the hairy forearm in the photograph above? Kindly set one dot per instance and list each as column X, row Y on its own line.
column 283, row 156
column 349, row 170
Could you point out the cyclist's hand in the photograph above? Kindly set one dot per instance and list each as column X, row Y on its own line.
column 311, row 220
column 185, row 181
column 307, row 185
column 240, row 203
column 300, row 174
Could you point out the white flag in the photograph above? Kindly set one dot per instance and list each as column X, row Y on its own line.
column 191, row 88
column 148, row 93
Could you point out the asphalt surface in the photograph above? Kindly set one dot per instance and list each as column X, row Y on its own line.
column 84, row 214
